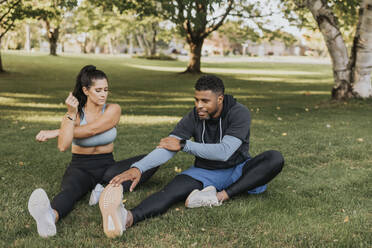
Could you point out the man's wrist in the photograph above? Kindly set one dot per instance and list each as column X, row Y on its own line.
column 135, row 167
column 182, row 144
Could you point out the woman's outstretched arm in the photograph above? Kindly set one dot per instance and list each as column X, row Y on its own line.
column 107, row 121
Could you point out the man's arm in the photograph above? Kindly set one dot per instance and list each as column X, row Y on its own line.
column 220, row 152
column 155, row 158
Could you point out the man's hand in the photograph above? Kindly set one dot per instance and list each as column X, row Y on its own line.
column 45, row 135
column 170, row 143
column 133, row 174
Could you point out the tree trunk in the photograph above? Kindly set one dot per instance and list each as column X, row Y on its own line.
column 195, row 56
column 141, row 44
column 154, row 26
column 53, row 35
column 361, row 59
column 109, row 43
column 28, row 38
column 130, row 50
column 53, row 47
column 1, row 62
column 330, row 30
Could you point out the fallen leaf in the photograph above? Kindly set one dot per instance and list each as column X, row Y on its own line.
column 284, row 134
column 346, row 219
column 306, row 109
column 178, row 170
column 23, row 127
column 124, row 200
column 21, row 163
column 203, row 229
column 360, row 139
column 278, row 108
column 177, row 209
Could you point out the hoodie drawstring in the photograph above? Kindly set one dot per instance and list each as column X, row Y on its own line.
column 204, row 130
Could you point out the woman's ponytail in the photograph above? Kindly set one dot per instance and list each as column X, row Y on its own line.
column 85, row 79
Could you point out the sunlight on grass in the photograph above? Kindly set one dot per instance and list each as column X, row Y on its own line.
column 145, row 99
column 311, row 92
column 163, row 93
column 262, row 79
column 148, row 120
column 225, row 70
column 286, row 80
column 34, row 117
column 23, row 95
column 38, row 117
column 14, row 103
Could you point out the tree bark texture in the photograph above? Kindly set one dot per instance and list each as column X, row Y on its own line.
column 330, row 30
column 361, row 59
column 154, row 26
column 53, row 35
column 28, row 38
column 1, row 61
column 352, row 76
column 195, row 56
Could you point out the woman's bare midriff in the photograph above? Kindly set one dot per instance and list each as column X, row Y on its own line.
column 93, row 150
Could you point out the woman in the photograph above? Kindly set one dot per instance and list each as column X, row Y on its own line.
column 90, row 127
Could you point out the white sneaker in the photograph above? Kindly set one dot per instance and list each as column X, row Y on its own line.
column 113, row 211
column 205, row 198
column 96, row 193
column 40, row 209
column 123, row 213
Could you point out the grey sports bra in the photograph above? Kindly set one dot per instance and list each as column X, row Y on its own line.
column 101, row 139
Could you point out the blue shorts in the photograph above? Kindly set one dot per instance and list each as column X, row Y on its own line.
column 221, row 179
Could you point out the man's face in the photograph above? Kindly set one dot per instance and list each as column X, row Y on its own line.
column 208, row 104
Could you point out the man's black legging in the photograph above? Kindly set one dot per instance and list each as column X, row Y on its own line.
column 256, row 172
column 84, row 172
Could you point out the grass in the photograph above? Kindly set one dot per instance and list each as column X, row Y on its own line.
column 321, row 199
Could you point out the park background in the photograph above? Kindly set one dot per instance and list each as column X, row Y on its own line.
column 301, row 67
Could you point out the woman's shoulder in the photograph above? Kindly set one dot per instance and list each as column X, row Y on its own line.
column 113, row 107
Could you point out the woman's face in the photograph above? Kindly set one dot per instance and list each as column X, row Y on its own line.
column 97, row 93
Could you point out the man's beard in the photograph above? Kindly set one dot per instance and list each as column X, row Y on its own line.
column 209, row 115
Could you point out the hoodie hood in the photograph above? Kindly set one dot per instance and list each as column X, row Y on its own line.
column 228, row 102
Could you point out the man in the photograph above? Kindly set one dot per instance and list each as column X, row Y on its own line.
column 220, row 127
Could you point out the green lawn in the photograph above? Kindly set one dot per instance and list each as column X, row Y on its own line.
column 323, row 197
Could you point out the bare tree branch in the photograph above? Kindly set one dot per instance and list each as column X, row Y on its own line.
column 210, row 29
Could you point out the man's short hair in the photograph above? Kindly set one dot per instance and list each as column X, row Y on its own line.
column 210, row 82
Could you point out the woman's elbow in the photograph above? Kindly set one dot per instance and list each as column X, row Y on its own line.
column 62, row 147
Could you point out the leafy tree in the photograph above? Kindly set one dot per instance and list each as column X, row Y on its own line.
column 352, row 72
column 52, row 12
column 10, row 12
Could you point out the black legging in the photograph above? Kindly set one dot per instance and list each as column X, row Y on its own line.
column 256, row 172
column 84, row 172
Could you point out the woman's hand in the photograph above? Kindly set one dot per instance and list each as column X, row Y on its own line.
column 133, row 174
column 72, row 105
column 45, row 135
